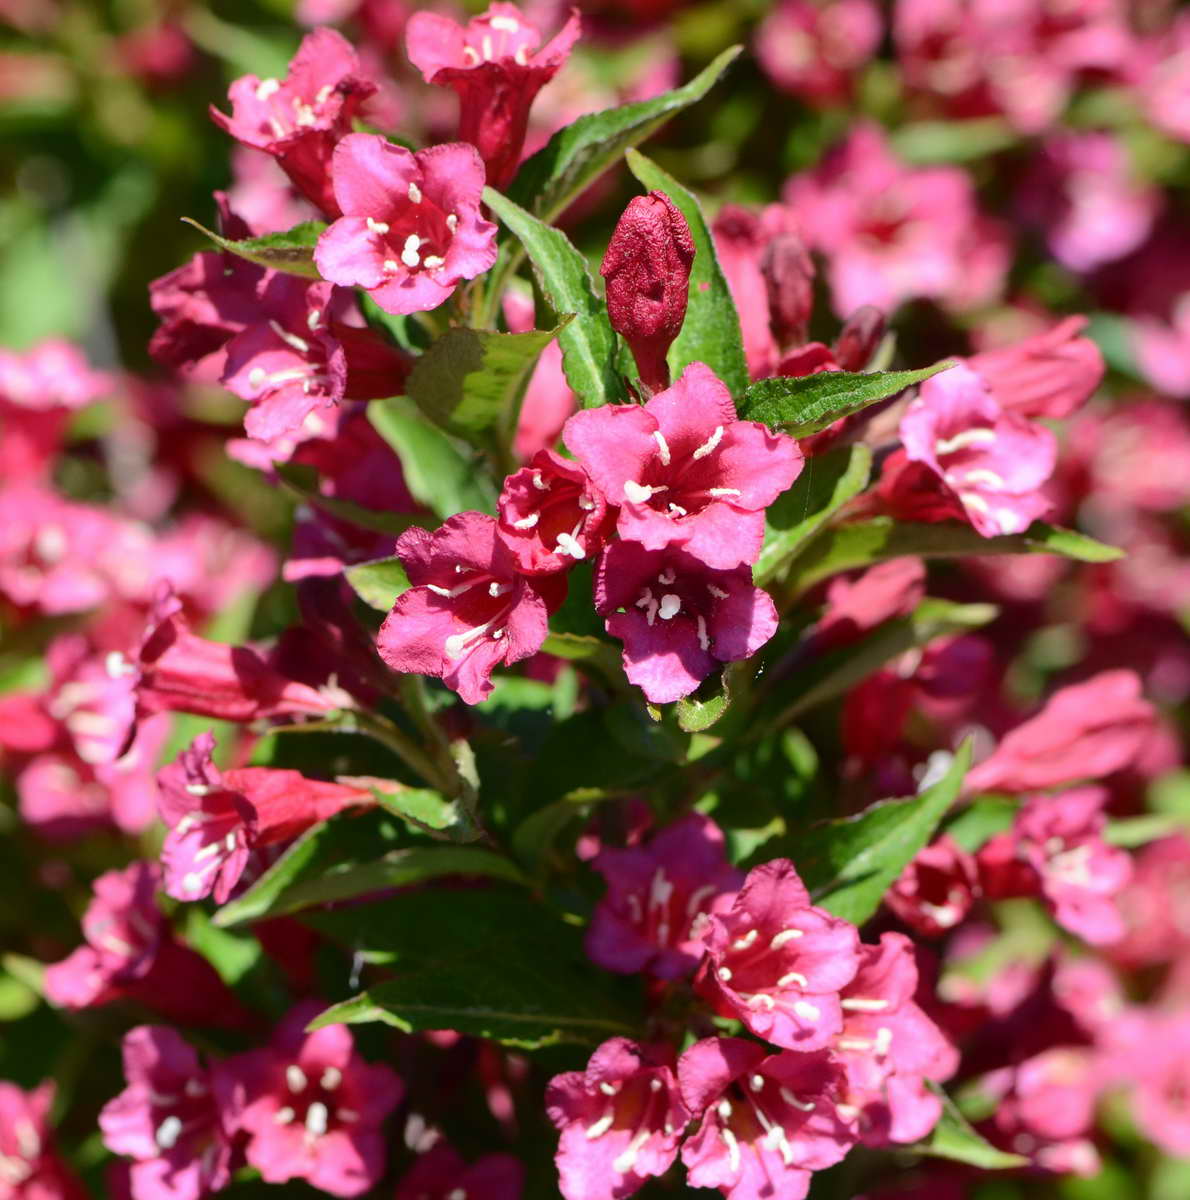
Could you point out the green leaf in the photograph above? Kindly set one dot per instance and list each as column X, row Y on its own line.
column 493, row 963
column 826, row 483
column 849, row 864
column 423, row 809
column 302, row 480
column 711, row 332
column 862, row 543
column 378, row 583
column 810, row 403
column 344, row 857
column 437, row 472
column 925, row 143
column 291, row 251
column 981, row 820
column 954, row 1138
column 703, row 708
column 593, row 652
column 588, row 343
column 580, row 152
column 470, row 380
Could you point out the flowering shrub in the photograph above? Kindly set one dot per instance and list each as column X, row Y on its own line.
column 536, row 667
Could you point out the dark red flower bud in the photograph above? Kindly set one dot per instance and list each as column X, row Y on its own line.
column 859, row 338
column 789, row 277
column 647, row 268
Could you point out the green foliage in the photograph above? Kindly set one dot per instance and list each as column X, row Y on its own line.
column 954, row 1138
column 378, row 583
column 291, row 251
column 711, row 332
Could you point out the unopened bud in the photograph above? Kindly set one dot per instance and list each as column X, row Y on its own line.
column 859, row 338
column 789, row 277
column 647, row 268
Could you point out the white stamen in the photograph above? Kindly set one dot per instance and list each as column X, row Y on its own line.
column 498, row 589
column 794, row 1102
column 981, row 475
column 608, row 1089
column 295, row 1078
column 859, row 1004
column 521, row 55
column 733, row 1148
column 724, row 1109
column 415, row 193
column 505, row 24
column 313, row 319
column 626, row 1161
column 710, row 443
column 284, row 1115
column 452, row 222
column 257, row 376
column 678, row 510
column 486, row 43
column 795, row 977
column 662, row 447
column 717, row 592
column 723, row 492
column 601, row 1126
column 647, row 602
column 742, row 943
column 390, row 265
column 266, row 88
column 539, row 483
column 317, row 1117
column 331, row 1078
column 471, row 55
column 786, row 935
column 167, row 1133
column 806, row 1010
column 290, row 339
column 671, row 605
column 432, row 262
column 377, row 226
column 884, row 1037
column 527, row 522
column 757, row 1083
column 410, row 255
column 724, row 974
column 569, row 544
column 762, row 1000
column 667, row 576
column 704, row 639
column 638, row 493
column 960, row 441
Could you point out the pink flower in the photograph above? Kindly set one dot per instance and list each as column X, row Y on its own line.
column 771, row 277
column 217, row 820
column 856, row 606
column 647, row 269
column 551, row 515
column 813, row 50
column 1158, row 1067
column 166, row 1119
column 440, row 1173
column 469, row 609
column 411, row 227
column 1156, row 905
column 621, row 1121
column 685, row 471
column 300, row 119
column 777, row 963
column 993, row 462
column 678, row 618
column 936, row 890
column 1050, row 374
column 1163, row 90
column 1083, row 194
column 1085, row 731
column 548, row 399
column 30, row 1167
column 1056, row 848
column 310, row 1107
column 768, row 1120
column 889, row 1047
column 893, row 233
column 497, row 65
column 657, row 896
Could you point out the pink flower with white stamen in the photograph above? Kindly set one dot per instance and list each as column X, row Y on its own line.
column 685, row 471
column 310, row 1107
column 621, row 1120
column 936, row 890
column 657, row 896
column 411, row 228
column 768, row 1120
column 777, row 963
column 30, row 1166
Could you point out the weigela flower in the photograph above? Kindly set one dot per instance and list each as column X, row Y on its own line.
column 1085, row 731
column 1056, row 849
column 768, row 1120
column 166, row 1119
column 994, row 463
column 217, row 819
column 440, row 1173
column 551, row 515
column 777, row 963
column 856, row 606
column 1051, row 374
column 310, row 1107
column 657, row 893
column 647, row 271
column 1156, row 905
column 889, row 1047
column 685, row 471
column 1152, row 1056
column 621, row 1120
column 299, row 120
column 679, row 619
column 469, row 609
column 497, row 65
column 130, row 951
column 936, row 890
column 411, row 227
column 548, row 400
column 30, row 1168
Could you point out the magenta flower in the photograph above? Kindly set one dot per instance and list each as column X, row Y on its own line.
column 658, row 894
column 217, row 820
column 440, row 1174
column 548, row 400
column 678, row 619
column 889, row 1047
column 621, row 1120
column 551, row 515
column 777, row 963
column 768, row 1120
column 310, row 1107
column 167, row 1120
column 1056, row 848
column 411, row 227
column 300, row 119
column 30, row 1166
column 496, row 65
column 685, row 471
column 993, row 462
column 936, row 890
column 647, row 270
column 469, row 609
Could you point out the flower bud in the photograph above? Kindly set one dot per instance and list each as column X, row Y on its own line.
column 789, row 279
column 859, row 338
column 647, row 268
